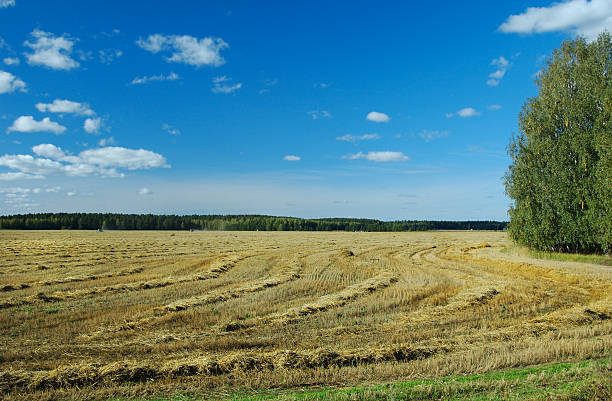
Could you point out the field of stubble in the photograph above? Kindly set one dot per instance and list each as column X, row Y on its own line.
column 97, row 315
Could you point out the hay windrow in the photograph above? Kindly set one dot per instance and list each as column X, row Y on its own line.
column 142, row 371
column 292, row 272
column 324, row 303
column 262, row 310
column 211, row 273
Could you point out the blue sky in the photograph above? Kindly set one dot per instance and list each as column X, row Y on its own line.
column 387, row 110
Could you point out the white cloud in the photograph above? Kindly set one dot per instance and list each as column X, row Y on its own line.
column 107, row 141
column 84, row 55
column 494, row 107
column 145, row 191
column 10, row 83
column 186, row 49
column 49, row 150
column 316, row 114
column 11, row 61
column 292, row 158
column 221, row 85
column 15, row 190
column 170, row 129
column 18, row 197
column 385, row 156
column 502, row 66
column 501, row 63
column 65, row 106
column 354, row 138
column 51, row 51
column 377, row 117
column 52, row 160
column 92, row 125
column 466, row 112
column 586, row 18
column 107, row 56
column 19, row 176
column 322, row 85
column 30, row 165
column 161, row 77
column 28, row 124
column 429, row 136
column 130, row 159
column 7, row 3
column 110, row 34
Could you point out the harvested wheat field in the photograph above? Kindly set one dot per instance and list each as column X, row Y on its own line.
column 102, row 315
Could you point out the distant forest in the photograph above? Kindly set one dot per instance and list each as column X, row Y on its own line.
column 112, row 221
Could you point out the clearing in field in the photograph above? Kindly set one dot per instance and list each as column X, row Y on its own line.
column 86, row 314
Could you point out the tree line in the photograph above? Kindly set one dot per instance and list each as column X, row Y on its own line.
column 113, row 221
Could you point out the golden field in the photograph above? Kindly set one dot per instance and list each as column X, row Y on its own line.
column 101, row 315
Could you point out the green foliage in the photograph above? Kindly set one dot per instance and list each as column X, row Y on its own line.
column 561, row 173
column 111, row 221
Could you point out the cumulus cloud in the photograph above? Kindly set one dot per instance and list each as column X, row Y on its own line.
column 222, row 85
column 170, row 129
column 292, row 158
column 316, row 114
column 585, row 18
column 10, row 83
column 53, row 160
column 131, row 159
column 49, row 150
column 377, row 117
column 186, row 49
column 7, row 3
column 384, row 156
column 502, row 66
column 65, row 106
column 92, row 125
column 429, row 136
column 28, row 124
column 51, row 51
column 161, row 77
column 355, row 138
column 463, row 113
column 145, row 191
column 11, row 61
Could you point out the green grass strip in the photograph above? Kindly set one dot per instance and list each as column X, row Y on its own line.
column 562, row 257
column 588, row 380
